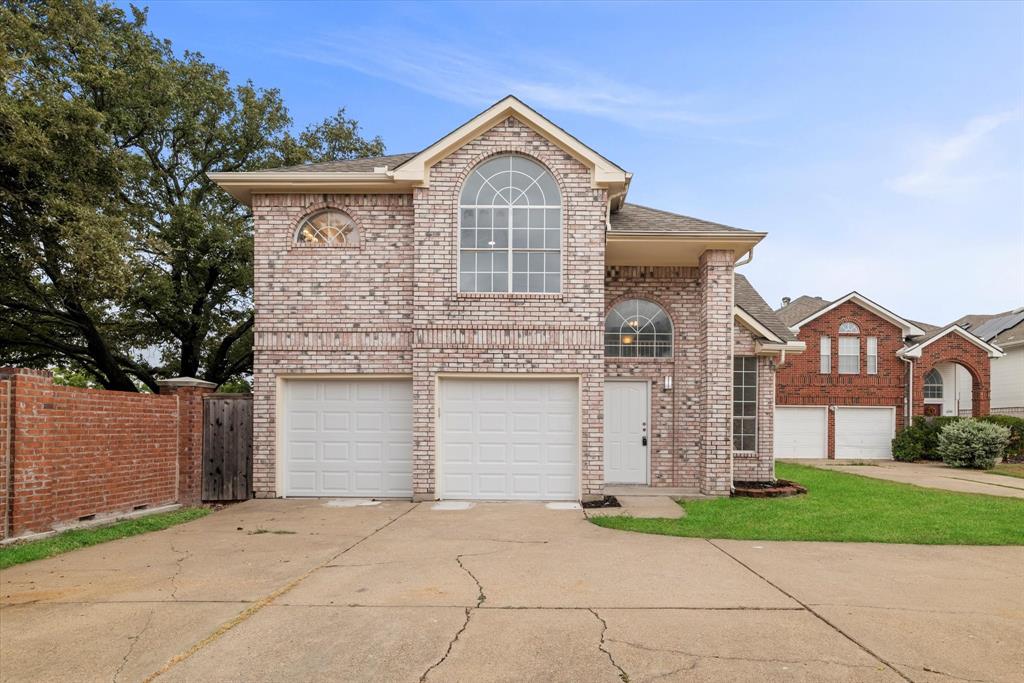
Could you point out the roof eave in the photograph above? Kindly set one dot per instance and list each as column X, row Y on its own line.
column 243, row 185
column 909, row 329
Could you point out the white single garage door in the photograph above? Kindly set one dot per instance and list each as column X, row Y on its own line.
column 348, row 437
column 801, row 432
column 509, row 439
column 865, row 432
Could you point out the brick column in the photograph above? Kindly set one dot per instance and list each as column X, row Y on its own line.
column 190, row 392
column 716, row 350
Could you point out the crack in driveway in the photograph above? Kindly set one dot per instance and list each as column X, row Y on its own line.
column 601, row 645
column 131, row 647
column 481, row 597
column 451, row 644
column 179, row 565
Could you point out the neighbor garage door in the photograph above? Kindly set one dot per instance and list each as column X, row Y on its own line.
column 348, row 437
column 801, row 432
column 864, row 432
column 508, row 439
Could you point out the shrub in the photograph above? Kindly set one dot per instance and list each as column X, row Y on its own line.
column 1015, row 449
column 920, row 441
column 971, row 443
column 908, row 446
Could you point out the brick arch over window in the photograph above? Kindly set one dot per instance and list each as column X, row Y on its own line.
column 955, row 349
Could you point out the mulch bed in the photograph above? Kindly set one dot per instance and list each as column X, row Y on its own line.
column 606, row 502
column 767, row 489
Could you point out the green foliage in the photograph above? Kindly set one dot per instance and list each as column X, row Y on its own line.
column 972, row 443
column 113, row 238
column 19, row 553
column 70, row 377
column 238, row 385
column 1015, row 447
column 920, row 440
column 845, row 507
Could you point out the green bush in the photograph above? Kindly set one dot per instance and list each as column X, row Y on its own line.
column 972, row 443
column 920, row 441
column 1015, row 449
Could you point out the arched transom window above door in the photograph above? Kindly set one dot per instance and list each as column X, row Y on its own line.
column 933, row 384
column 510, row 228
column 636, row 328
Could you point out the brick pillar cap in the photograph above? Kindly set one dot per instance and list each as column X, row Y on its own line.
column 177, row 382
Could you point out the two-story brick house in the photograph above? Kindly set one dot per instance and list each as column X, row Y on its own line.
column 488, row 318
column 865, row 372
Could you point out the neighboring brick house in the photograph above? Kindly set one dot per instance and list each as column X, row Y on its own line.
column 488, row 319
column 865, row 372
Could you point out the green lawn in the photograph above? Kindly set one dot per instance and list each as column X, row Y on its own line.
column 846, row 507
column 1010, row 469
column 28, row 551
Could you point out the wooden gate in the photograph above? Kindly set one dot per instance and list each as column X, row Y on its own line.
column 227, row 447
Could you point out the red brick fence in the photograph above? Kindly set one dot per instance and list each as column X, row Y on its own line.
column 69, row 454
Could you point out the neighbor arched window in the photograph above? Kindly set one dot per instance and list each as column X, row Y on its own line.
column 637, row 328
column 510, row 228
column 849, row 328
column 933, row 384
column 329, row 227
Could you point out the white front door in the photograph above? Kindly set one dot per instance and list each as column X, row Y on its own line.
column 625, row 431
column 509, row 439
column 865, row 432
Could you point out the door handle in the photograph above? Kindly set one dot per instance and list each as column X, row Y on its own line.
column 643, row 441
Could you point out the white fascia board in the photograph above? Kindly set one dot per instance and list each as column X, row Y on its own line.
column 752, row 324
column 915, row 350
column 909, row 328
column 416, row 170
column 769, row 348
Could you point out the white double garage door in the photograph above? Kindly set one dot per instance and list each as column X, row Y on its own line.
column 861, row 432
column 497, row 439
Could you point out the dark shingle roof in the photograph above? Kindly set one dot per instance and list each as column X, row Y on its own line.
column 636, row 218
column 755, row 306
column 801, row 307
column 998, row 328
column 364, row 165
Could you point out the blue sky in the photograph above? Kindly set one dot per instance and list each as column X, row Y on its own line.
column 881, row 146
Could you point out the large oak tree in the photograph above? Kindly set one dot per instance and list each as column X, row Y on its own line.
column 119, row 257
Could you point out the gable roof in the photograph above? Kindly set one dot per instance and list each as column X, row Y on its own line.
column 747, row 299
column 801, row 307
column 605, row 173
column 634, row 218
column 909, row 329
column 999, row 328
column 914, row 350
column 402, row 172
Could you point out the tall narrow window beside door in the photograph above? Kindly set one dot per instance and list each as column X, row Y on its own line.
column 744, row 403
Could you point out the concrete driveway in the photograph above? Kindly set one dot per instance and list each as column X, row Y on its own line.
column 295, row 590
column 930, row 475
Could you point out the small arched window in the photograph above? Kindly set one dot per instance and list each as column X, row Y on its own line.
column 510, row 228
column 849, row 328
column 637, row 329
column 329, row 227
column 933, row 384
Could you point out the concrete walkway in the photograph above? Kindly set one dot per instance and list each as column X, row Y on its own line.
column 932, row 475
column 275, row 590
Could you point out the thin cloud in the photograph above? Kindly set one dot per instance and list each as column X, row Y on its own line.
column 941, row 170
column 475, row 80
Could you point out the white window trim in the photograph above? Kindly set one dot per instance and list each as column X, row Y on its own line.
column 871, row 350
column 855, row 356
column 754, row 418
column 825, row 356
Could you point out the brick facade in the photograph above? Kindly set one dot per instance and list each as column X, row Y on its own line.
column 800, row 382
column 391, row 306
column 760, row 464
column 953, row 348
column 75, row 453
